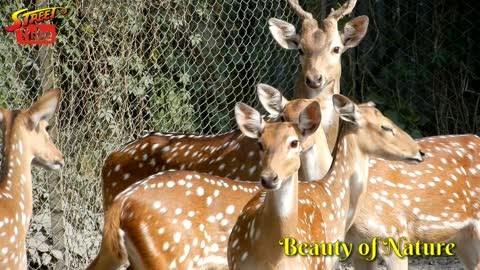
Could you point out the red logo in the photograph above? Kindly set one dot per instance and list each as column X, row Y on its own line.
column 30, row 28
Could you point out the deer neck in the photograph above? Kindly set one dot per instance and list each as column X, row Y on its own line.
column 281, row 209
column 330, row 120
column 346, row 181
column 316, row 160
column 16, row 179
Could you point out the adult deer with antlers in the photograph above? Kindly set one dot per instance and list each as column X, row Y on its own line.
column 26, row 141
column 320, row 46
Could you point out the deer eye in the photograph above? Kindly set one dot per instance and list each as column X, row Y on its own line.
column 300, row 51
column 47, row 128
column 387, row 128
column 294, row 144
column 336, row 49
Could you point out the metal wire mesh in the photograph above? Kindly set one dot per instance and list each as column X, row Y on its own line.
column 129, row 66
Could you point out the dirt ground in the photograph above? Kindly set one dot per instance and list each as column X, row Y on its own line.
column 421, row 263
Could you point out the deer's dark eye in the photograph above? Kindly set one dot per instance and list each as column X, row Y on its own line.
column 294, row 144
column 300, row 51
column 47, row 128
column 336, row 49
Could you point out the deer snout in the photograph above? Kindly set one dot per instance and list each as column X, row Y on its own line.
column 417, row 158
column 420, row 156
column 314, row 80
column 270, row 181
column 57, row 164
column 60, row 163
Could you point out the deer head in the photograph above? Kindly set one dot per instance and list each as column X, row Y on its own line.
column 30, row 127
column 316, row 160
column 281, row 143
column 377, row 135
column 320, row 45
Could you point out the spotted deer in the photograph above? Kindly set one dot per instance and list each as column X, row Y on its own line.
column 320, row 46
column 435, row 201
column 26, row 142
column 188, row 233
column 232, row 154
column 318, row 211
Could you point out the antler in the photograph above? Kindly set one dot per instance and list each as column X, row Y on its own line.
column 299, row 10
column 345, row 9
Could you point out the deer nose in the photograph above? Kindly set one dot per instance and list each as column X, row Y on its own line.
column 420, row 155
column 269, row 181
column 313, row 81
column 60, row 163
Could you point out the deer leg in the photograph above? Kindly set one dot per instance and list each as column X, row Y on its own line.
column 393, row 262
column 105, row 260
column 360, row 263
column 356, row 236
column 468, row 246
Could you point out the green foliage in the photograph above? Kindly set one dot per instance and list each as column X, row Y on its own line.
column 400, row 112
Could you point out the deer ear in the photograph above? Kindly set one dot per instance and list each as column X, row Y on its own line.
column 44, row 108
column 249, row 120
column 284, row 33
column 346, row 109
column 354, row 31
column 310, row 118
column 271, row 99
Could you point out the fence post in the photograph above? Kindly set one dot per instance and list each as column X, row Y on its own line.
column 54, row 181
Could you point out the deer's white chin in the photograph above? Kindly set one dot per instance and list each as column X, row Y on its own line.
column 412, row 161
column 55, row 167
column 49, row 165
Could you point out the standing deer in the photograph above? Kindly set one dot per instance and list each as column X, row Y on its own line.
column 318, row 211
column 26, row 141
column 181, row 234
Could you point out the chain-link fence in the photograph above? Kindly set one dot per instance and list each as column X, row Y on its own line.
column 129, row 66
